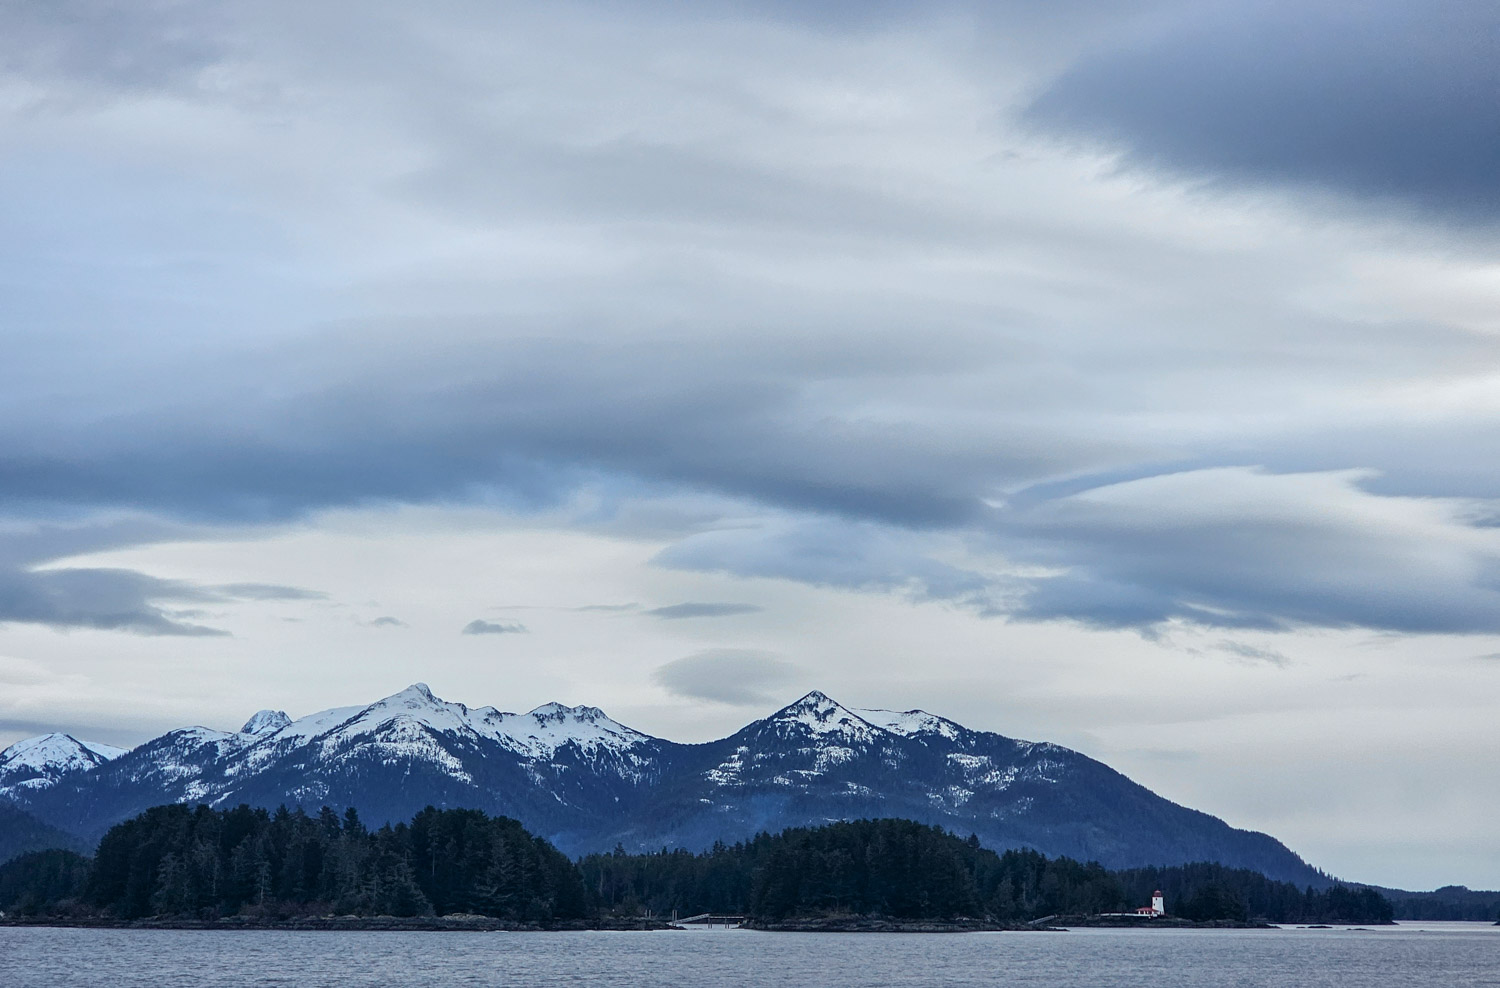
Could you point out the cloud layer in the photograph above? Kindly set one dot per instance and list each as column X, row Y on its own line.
column 701, row 609
column 1386, row 100
column 815, row 276
column 740, row 677
column 479, row 626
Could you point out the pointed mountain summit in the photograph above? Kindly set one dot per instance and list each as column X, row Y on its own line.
column 415, row 704
column 266, row 722
column 819, row 715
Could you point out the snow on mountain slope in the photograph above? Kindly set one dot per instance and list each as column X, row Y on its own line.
column 58, row 751
column 909, row 723
column 587, row 782
column 106, row 752
column 41, row 762
column 537, row 734
column 415, row 727
column 541, row 732
column 795, row 749
column 817, row 716
column 401, row 726
column 797, row 746
column 183, row 763
column 266, row 722
column 306, row 728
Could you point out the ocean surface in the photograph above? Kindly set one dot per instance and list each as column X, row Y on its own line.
column 1441, row 955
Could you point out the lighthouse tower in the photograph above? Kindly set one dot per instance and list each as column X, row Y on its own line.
column 1158, row 903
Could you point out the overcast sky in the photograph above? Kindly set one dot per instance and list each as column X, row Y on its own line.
column 1120, row 375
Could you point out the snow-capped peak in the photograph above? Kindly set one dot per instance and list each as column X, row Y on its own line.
column 57, row 751
column 538, row 733
column 819, row 714
column 542, row 731
column 37, row 763
column 266, row 722
column 415, row 703
column 416, row 693
column 561, row 711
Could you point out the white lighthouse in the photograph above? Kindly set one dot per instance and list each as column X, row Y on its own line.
column 1158, row 903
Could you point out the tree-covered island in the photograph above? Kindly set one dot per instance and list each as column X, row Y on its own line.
column 181, row 865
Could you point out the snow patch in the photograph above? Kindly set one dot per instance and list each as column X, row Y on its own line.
column 41, row 762
column 57, row 752
column 820, row 716
column 911, row 723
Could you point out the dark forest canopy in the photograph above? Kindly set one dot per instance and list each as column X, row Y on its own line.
column 203, row 863
column 199, row 863
column 1451, row 902
column 908, row 870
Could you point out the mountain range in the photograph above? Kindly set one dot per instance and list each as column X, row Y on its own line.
column 588, row 783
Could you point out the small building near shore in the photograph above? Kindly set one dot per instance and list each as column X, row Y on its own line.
column 1158, row 906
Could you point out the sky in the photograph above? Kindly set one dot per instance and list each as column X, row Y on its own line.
column 1120, row 375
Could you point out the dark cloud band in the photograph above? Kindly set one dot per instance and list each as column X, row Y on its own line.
column 479, row 626
column 1383, row 100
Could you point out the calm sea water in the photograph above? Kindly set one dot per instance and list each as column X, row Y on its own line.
column 1440, row 955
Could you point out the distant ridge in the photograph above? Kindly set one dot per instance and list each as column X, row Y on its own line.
column 588, row 783
column 20, row 833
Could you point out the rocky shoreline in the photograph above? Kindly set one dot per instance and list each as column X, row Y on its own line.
column 489, row 924
column 1153, row 923
column 878, row 924
column 387, row 924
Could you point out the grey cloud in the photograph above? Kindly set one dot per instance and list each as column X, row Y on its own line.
column 1239, row 548
column 1386, row 99
column 387, row 621
column 109, row 46
column 856, row 353
column 106, row 599
column 35, row 588
column 1254, row 654
column 609, row 608
column 735, row 676
column 698, row 609
column 1232, row 548
column 266, row 591
column 830, row 552
column 479, row 626
column 529, row 420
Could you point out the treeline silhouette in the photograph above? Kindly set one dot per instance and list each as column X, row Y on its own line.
column 1211, row 891
column 894, row 868
column 200, row 863
column 902, row 869
column 1451, row 902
